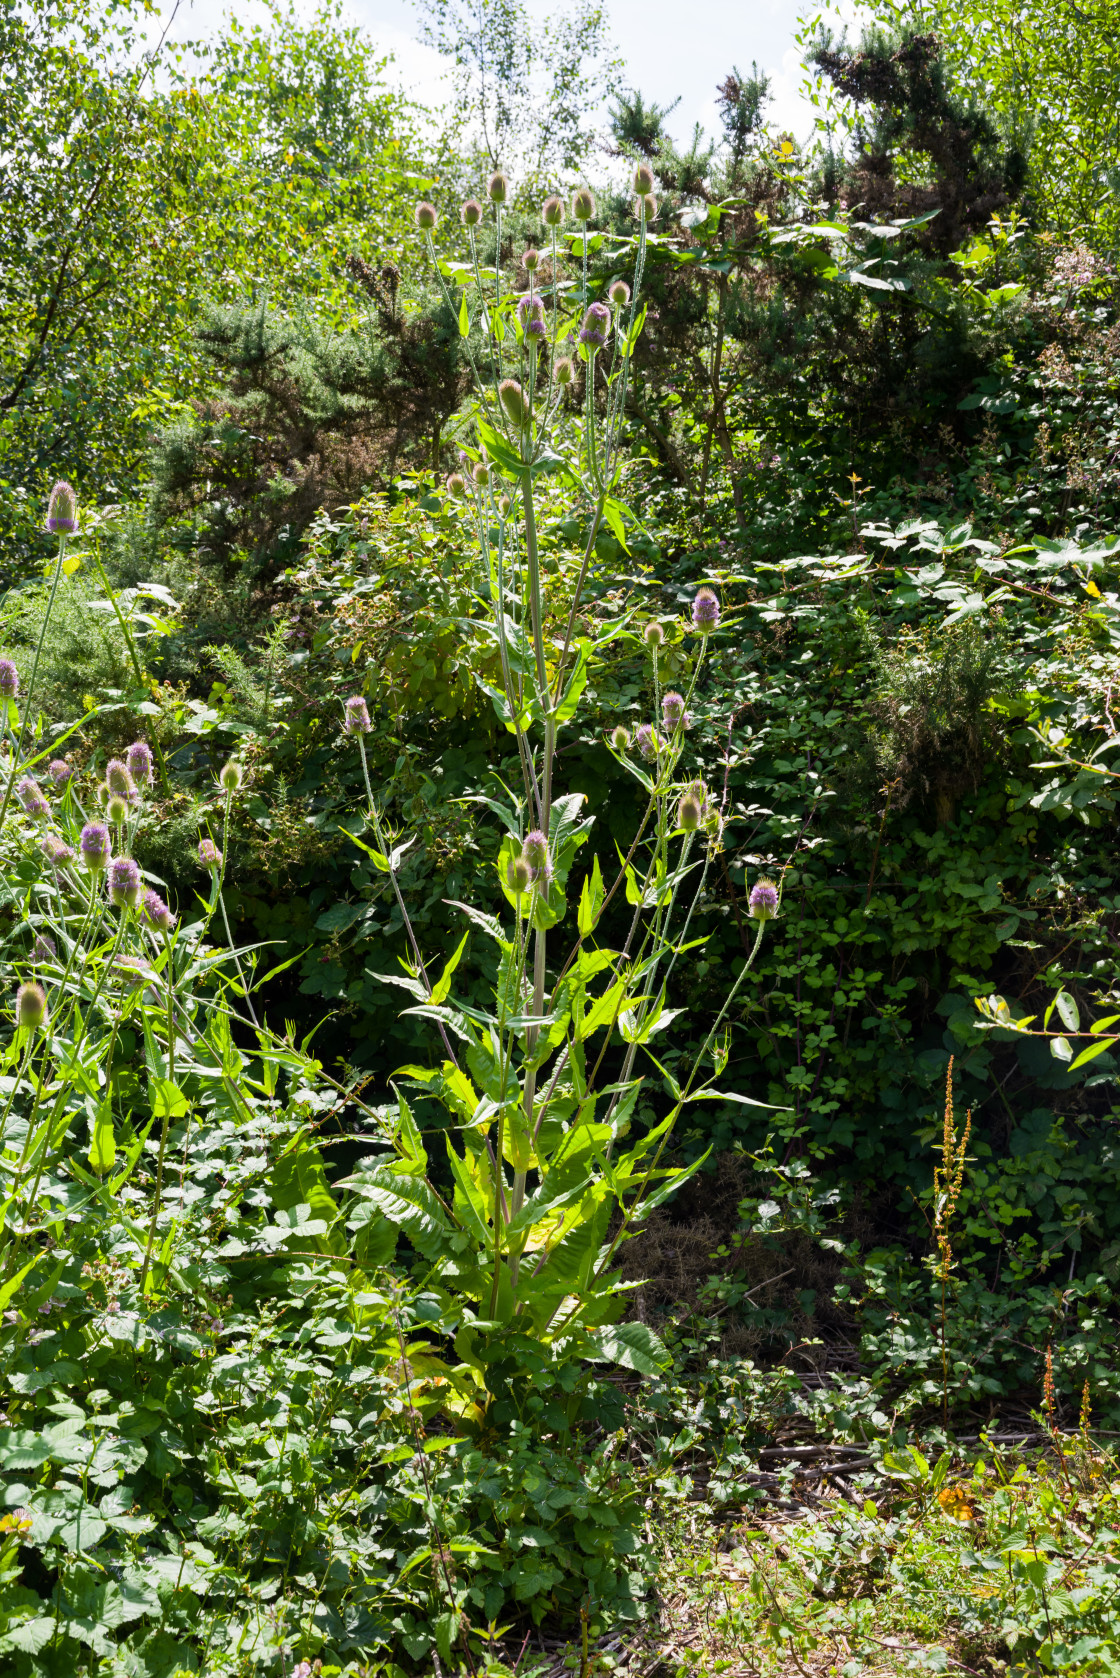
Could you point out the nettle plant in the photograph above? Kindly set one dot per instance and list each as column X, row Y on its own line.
column 548, row 1177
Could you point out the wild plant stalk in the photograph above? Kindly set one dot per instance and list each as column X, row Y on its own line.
column 948, row 1179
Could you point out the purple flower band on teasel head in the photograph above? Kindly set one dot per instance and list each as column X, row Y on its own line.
column 764, row 900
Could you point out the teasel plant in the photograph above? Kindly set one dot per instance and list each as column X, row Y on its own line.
column 550, row 1174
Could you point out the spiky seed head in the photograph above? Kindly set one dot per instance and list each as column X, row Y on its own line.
column 56, row 850
column 689, row 813
column 596, row 322
column 535, row 849
column 357, row 716
column 9, row 679
column 646, row 741
column 426, row 217
column 552, row 211
column 139, row 760
column 530, row 307
column 512, row 398
column 118, row 778
column 497, row 188
column 31, row 1005
column 456, row 486
column 230, row 775
column 209, row 855
column 62, row 509
column 470, row 213
column 116, row 808
column 583, row 205
column 643, row 180
column 620, row 738
column 124, row 883
column 646, row 208
column 531, row 260
column 619, row 293
column 763, row 901
column 654, row 635
column 94, row 846
column 30, row 796
column 480, row 472
column 519, row 874
column 156, row 913
column 43, row 949
column 504, row 505
column 564, row 371
column 672, row 709
column 59, row 771
column 705, row 611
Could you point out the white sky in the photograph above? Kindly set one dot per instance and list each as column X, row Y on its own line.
column 670, row 50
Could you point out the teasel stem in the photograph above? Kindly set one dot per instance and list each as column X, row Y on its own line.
column 167, row 1114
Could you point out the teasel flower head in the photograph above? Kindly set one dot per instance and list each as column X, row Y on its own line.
column 672, row 709
column 705, row 611
column 480, row 472
column 43, row 949
column 116, row 808
column 156, row 913
column 552, row 211
column 583, row 205
column 470, row 213
column 31, row 1005
column 763, row 901
column 457, row 486
column 519, row 874
column 118, row 778
column 9, row 679
column 497, row 188
column 124, row 883
column 620, row 738
column 30, row 796
column 426, row 217
column 209, row 855
column 56, row 850
column 535, row 849
column 59, row 771
column 504, row 505
column 531, row 260
column 646, row 208
column 139, row 760
column 596, row 322
column 619, row 293
column 230, row 775
column 654, row 635
column 643, row 180
column 357, row 716
column 690, row 812
column 512, row 398
column 646, row 741
column 62, row 509
column 563, row 371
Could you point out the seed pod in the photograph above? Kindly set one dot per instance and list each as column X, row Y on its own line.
column 689, row 813
column 643, row 180
column 583, row 205
column 457, row 486
column 646, row 208
column 470, row 213
column 563, row 371
column 480, row 472
column 504, row 505
column 552, row 212
column 62, row 509
column 497, row 188
column 426, row 217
